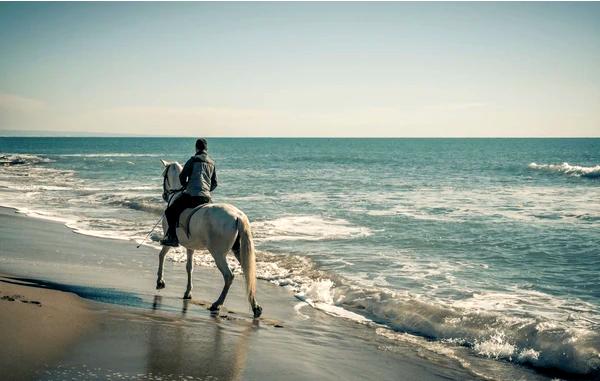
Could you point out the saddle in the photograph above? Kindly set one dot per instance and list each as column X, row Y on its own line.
column 185, row 223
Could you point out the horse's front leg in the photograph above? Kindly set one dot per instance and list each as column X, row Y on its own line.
column 190, row 269
column 160, row 283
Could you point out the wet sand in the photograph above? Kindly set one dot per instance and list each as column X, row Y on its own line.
column 119, row 327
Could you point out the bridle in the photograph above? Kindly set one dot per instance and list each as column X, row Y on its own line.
column 167, row 192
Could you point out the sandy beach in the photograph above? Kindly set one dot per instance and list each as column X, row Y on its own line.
column 86, row 308
column 38, row 325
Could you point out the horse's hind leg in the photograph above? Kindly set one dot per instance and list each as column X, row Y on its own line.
column 221, row 262
column 190, row 269
column 160, row 283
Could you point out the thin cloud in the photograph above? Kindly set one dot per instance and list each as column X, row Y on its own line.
column 13, row 102
column 466, row 105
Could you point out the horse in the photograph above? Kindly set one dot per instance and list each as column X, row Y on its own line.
column 217, row 228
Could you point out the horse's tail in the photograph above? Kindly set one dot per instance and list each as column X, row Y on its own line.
column 247, row 257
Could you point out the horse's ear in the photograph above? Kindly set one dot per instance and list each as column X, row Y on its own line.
column 164, row 163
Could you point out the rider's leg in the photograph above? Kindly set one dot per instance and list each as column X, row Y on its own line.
column 172, row 213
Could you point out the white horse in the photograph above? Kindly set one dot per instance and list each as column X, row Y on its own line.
column 217, row 228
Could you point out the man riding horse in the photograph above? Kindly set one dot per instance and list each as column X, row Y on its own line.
column 198, row 178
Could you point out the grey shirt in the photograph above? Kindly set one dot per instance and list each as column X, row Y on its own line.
column 199, row 176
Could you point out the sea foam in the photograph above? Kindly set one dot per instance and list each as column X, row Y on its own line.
column 307, row 228
column 568, row 169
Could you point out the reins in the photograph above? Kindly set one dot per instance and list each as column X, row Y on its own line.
column 150, row 232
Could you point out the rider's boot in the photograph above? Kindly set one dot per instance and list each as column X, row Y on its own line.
column 170, row 239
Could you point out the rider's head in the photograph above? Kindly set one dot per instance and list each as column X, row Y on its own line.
column 201, row 145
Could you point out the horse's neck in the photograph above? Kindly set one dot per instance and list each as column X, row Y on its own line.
column 175, row 183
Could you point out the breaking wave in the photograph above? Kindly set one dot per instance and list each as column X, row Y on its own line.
column 571, row 346
column 149, row 206
column 568, row 169
column 22, row 159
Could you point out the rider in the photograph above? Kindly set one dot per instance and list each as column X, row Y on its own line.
column 199, row 178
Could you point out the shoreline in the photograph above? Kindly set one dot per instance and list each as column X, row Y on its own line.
column 461, row 357
column 146, row 334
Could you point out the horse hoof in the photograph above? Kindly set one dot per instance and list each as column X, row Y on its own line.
column 214, row 307
column 257, row 311
column 187, row 296
column 160, row 284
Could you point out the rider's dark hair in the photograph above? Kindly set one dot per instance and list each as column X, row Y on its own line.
column 201, row 144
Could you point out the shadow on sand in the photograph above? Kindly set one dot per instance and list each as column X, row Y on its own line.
column 104, row 295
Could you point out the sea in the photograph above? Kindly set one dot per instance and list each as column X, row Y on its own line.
column 478, row 248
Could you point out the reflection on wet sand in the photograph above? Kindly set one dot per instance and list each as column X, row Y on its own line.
column 200, row 351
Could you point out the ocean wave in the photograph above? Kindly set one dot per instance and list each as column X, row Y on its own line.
column 307, row 228
column 22, row 159
column 156, row 208
column 112, row 154
column 526, row 339
column 592, row 172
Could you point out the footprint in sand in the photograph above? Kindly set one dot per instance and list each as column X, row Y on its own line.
column 13, row 298
column 32, row 302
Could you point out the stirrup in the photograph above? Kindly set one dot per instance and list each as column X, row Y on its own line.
column 170, row 241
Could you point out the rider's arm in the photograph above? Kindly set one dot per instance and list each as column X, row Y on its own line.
column 185, row 173
column 213, row 180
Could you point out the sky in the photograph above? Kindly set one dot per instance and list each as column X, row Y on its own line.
column 301, row 69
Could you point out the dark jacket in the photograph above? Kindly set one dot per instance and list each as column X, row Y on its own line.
column 199, row 176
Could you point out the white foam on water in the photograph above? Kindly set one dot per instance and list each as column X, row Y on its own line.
column 39, row 214
column 526, row 203
column 307, row 228
column 495, row 346
column 303, row 196
column 568, row 169
column 110, row 234
column 319, row 294
column 528, row 355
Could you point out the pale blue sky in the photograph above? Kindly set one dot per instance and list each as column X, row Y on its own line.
column 302, row 69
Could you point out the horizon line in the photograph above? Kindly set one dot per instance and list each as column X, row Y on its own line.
column 108, row 136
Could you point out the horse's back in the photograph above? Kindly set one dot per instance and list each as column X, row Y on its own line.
column 210, row 224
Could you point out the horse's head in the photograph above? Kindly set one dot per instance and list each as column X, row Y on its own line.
column 171, row 181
